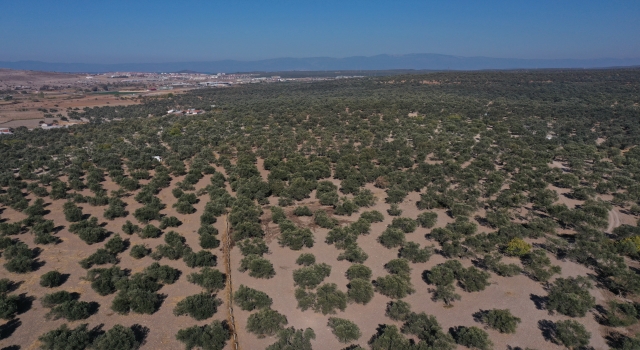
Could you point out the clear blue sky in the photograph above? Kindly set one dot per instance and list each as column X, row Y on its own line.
column 118, row 31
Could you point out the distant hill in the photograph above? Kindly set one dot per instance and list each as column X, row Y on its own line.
column 379, row 62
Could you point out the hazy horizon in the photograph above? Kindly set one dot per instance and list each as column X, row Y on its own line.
column 163, row 31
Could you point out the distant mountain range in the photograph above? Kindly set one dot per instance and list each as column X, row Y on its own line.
column 379, row 62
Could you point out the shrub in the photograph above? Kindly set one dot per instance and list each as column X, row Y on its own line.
column 394, row 286
column 472, row 337
column 255, row 246
column 136, row 300
column 258, row 267
column 360, row 291
column 445, row 293
column 412, row 252
column 170, row 221
column 139, row 251
column 250, row 299
column 473, row 279
column 210, row 279
column 427, row 219
column 398, row 267
column 570, row 296
column 277, row 214
column 311, row 276
column 116, row 244
column 358, row 271
column 53, row 299
column 322, row 219
column 500, row 319
column 290, row 338
column 345, row 330
column 621, row 314
column 389, row 337
column 163, row 273
column 200, row 259
column 329, row 298
column 266, row 322
column 354, row 254
column 571, row 334
column 394, row 210
column 9, row 305
column 208, row 241
column 200, row 306
column 428, row 330
column 398, row 310
column 89, row 230
column 100, row 257
column 118, row 337
column 372, row 216
column 208, row 337
column 66, row 338
column 52, row 279
column 72, row 212
column 20, row 264
column 407, row 225
column 296, row 238
column 306, row 259
column 302, row 211
column 103, row 281
column 71, row 310
column 391, row 238
column 517, row 247
column 150, row 231
column 129, row 228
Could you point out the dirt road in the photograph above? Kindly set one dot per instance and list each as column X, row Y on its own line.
column 614, row 220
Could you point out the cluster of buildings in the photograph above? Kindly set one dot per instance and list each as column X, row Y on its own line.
column 191, row 111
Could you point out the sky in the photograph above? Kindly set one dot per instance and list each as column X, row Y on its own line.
column 136, row 31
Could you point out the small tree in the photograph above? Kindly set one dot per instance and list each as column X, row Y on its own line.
column 306, row 259
column 446, row 293
column 52, row 279
column 360, row 291
column 257, row 266
column 500, row 319
column 345, row 330
column 517, row 247
column 208, row 337
column 394, row 286
column 8, row 306
column 139, row 251
column 570, row 296
column 329, row 298
column 200, row 306
column 398, row 310
column 358, row 271
column 72, row 212
column 392, row 238
column 250, row 299
column 472, row 337
column 266, row 322
column 210, row 279
column 427, row 219
column 389, row 337
column 571, row 334
column 302, row 211
column 66, row 338
column 311, row 276
column 118, row 337
column 412, row 252
column 290, row 338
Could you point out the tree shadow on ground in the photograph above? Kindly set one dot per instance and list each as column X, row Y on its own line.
column 7, row 329
column 538, row 301
column 548, row 329
column 141, row 332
